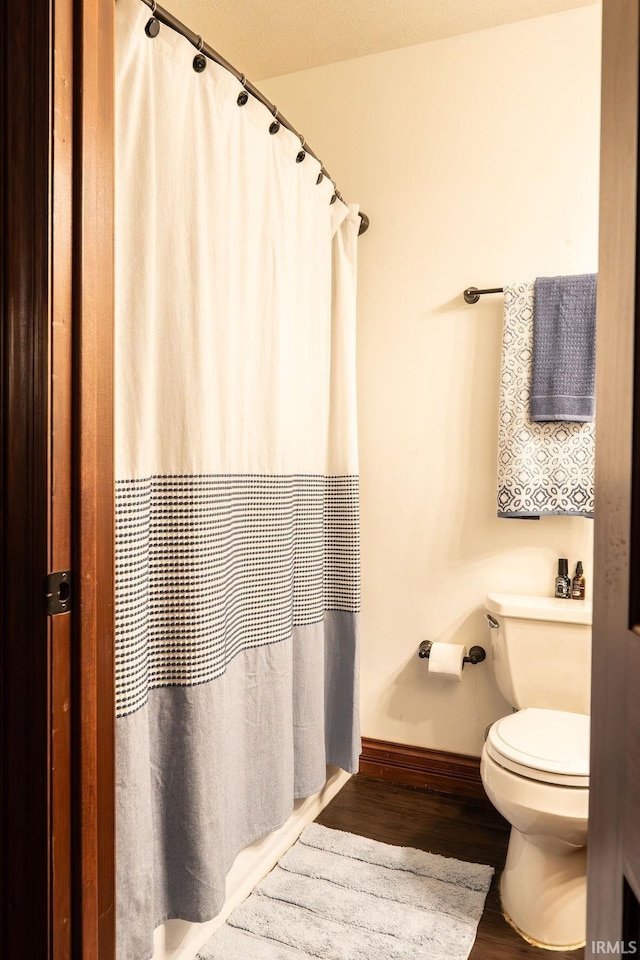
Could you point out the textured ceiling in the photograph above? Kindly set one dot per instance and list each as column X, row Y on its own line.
column 267, row 38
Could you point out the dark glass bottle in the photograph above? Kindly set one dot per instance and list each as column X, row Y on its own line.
column 578, row 583
column 563, row 581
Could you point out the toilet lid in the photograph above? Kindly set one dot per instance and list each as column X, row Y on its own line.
column 547, row 745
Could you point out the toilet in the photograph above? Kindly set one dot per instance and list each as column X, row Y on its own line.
column 535, row 762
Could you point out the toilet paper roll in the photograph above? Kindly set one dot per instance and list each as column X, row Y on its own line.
column 445, row 659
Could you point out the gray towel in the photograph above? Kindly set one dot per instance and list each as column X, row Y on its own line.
column 564, row 348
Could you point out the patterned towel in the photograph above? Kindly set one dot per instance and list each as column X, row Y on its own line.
column 543, row 468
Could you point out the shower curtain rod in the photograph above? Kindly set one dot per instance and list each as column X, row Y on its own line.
column 163, row 16
column 472, row 294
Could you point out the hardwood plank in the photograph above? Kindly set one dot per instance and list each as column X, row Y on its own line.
column 453, row 827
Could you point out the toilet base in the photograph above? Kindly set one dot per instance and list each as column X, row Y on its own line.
column 543, row 891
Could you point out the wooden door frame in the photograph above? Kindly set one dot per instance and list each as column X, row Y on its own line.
column 617, row 367
column 93, row 511
column 24, row 673
column 56, row 479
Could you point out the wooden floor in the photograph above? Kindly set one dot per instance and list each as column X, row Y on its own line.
column 464, row 829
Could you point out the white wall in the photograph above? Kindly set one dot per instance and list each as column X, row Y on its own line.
column 476, row 158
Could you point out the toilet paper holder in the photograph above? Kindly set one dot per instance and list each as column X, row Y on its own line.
column 476, row 654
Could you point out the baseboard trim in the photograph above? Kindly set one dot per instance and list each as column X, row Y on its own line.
column 452, row 773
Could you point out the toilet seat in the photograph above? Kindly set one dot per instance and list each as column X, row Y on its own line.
column 551, row 746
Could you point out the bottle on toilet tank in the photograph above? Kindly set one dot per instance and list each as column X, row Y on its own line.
column 578, row 583
column 563, row 580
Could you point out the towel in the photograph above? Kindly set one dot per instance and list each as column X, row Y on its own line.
column 564, row 348
column 543, row 468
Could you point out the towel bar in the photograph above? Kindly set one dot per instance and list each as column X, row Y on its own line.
column 472, row 294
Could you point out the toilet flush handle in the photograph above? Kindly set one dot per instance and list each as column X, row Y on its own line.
column 493, row 623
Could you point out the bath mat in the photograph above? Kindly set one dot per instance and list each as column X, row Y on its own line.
column 337, row 896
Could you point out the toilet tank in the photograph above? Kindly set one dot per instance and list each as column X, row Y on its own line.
column 541, row 649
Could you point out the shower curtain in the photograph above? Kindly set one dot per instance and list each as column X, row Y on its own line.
column 237, row 543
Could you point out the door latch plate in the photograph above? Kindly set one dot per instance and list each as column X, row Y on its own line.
column 58, row 592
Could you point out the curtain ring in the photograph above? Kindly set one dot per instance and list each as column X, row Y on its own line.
column 321, row 174
column 152, row 28
column 335, row 192
column 301, row 153
column 275, row 125
column 243, row 96
column 199, row 61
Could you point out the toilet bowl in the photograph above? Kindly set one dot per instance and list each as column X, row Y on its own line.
column 535, row 771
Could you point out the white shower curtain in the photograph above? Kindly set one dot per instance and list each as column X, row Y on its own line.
column 237, row 581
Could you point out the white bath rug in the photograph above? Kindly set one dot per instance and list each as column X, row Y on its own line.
column 337, row 896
